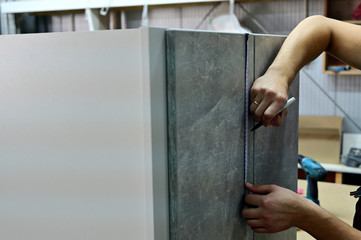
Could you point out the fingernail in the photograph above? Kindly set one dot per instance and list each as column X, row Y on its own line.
column 248, row 185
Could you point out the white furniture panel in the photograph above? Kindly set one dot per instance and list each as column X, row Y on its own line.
column 76, row 153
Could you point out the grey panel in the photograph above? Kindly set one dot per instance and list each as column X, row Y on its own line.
column 206, row 73
column 275, row 149
column 153, row 69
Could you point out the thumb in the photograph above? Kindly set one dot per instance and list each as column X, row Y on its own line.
column 260, row 189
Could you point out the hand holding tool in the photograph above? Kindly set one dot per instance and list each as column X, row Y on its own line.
column 288, row 103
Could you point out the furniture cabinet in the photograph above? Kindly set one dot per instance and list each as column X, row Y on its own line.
column 106, row 134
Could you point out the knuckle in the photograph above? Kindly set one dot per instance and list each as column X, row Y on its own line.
column 254, row 91
column 267, row 204
column 257, row 115
column 252, row 109
column 280, row 98
column 267, row 117
column 273, row 186
column 270, row 94
column 276, row 121
column 263, row 90
column 266, row 216
column 258, row 118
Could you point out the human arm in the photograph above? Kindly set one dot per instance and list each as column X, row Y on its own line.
column 306, row 42
column 278, row 209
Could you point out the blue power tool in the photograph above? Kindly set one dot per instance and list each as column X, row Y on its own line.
column 314, row 172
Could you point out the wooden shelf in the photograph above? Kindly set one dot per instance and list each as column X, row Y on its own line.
column 354, row 72
column 340, row 10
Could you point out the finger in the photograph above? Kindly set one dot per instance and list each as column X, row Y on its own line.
column 259, row 111
column 251, row 213
column 254, row 92
column 267, row 101
column 260, row 230
column 255, row 223
column 253, row 107
column 260, row 189
column 254, row 200
column 276, row 103
column 255, row 102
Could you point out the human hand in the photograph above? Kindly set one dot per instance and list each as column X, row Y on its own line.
column 277, row 209
column 269, row 94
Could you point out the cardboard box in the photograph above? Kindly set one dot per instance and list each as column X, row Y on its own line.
column 320, row 138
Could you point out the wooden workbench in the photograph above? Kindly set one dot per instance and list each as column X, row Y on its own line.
column 336, row 199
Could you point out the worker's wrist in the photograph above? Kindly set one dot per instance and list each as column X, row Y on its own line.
column 311, row 215
column 284, row 75
column 306, row 214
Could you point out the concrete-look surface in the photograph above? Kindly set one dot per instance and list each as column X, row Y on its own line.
column 206, row 75
column 274, row 149
column 206, row 149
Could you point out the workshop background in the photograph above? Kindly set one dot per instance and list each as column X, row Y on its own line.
column 274, row 17
column 335, row 96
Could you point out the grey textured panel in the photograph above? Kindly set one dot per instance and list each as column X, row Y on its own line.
column 206, row 73
column 275, row 149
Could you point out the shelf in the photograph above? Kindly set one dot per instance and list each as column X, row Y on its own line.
column 341, row 10
column 330, row 61
column 352, row 72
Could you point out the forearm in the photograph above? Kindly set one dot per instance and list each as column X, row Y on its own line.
column 313, row 36
column 305, row 43
column 324, row 226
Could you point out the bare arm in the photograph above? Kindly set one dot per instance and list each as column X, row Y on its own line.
column 305, row 43
column 279, row 209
